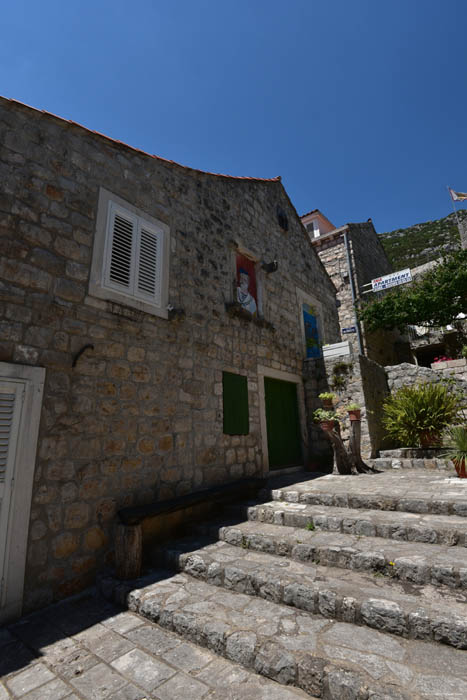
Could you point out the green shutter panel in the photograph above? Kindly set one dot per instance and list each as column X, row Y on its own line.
column 235, row 403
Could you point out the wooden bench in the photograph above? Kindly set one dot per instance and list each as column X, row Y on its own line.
column 140, row 526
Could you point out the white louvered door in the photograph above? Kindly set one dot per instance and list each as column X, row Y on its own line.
column 11, row 400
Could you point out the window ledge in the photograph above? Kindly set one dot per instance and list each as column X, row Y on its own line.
column 236, row 310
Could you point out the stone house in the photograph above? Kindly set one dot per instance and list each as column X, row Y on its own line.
column 152, row 341
column 353, row 255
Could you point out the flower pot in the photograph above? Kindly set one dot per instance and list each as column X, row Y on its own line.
column 327, row 404
column 429, row 438
column 327, row 425
column 355, row 414
column 460, row 468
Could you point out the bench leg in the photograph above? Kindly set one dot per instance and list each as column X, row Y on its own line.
column 128, row 551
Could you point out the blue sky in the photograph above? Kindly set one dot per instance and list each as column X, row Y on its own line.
column 360, row 105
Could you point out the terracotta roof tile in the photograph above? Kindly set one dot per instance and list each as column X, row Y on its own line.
column 313, row 211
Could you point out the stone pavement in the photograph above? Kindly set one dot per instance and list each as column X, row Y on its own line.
column 88, row 648
column 412, row 491
column 347, row 587
column 334, row 587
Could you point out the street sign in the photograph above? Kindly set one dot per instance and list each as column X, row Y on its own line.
column 392, row 280
column 351, row 329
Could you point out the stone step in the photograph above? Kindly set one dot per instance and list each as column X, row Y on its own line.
column 386, row 463
column 349, row 596
column 411, row 491
column 413, row 453
column 413, row 562
column 324, row 657
column 395, row 525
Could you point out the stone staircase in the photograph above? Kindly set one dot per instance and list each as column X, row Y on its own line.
column 412, row 458
column 343, row 587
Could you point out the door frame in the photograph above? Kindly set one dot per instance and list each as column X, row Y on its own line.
column 285, row 377
column 32, row 378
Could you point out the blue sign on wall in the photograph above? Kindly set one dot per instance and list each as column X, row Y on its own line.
column 313, row 347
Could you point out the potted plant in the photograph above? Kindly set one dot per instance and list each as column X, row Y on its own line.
column 464, row 352
column 418, row 414
column 326, row 419
column 327, row 398
column 354, row 410
column 457, row 449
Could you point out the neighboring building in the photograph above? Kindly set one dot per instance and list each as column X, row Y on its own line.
column 316, row 224
column 353, row 255
column 154, row 324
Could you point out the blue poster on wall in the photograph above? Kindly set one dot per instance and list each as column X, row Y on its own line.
column 313, row 347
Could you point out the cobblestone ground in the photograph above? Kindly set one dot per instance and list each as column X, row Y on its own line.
column 87, row 648
column 284, row 642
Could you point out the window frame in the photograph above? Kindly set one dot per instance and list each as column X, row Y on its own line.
column 260, row 290
column 100, row 285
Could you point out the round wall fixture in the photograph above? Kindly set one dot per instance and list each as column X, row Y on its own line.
column 282, row 218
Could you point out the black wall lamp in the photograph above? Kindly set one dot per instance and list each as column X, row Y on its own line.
column 270, row 267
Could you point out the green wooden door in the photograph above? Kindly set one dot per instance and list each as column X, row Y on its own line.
column 283, row 424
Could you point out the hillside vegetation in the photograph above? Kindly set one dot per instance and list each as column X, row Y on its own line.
column 418, row 244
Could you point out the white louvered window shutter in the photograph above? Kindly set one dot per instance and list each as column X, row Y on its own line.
column 148, row 264
column 133, row 256
column 120, row 255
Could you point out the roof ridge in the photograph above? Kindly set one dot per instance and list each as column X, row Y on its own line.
column 139, row 150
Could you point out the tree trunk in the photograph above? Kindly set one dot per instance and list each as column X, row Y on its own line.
column 128, row 551
column 354, row 448
column 348, row 462
column 342, row 460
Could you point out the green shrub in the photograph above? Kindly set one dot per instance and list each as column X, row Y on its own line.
column 415, row 409
column 321, row 415
column 327, row 395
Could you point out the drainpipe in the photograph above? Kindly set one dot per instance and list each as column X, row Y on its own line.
column 352, row 289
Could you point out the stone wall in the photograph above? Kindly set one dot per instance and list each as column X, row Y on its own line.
column 452, row 368
column 375, row 389
column 406, row 374
column 363, row 382
column 331, row 250
column 368, row 255
column 316, row 382
column 369, row 261
column 139, row 418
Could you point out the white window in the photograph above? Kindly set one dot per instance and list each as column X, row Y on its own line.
column 131, row 255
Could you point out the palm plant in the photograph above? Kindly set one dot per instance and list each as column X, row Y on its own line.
column 456, row 443
column 415, row 410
